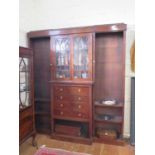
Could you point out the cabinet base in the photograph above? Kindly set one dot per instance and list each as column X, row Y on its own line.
column 75, row 139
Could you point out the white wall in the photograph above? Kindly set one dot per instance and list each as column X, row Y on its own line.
column 26, row 20
column 49, row 14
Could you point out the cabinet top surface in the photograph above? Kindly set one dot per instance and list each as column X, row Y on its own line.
column 118, row 27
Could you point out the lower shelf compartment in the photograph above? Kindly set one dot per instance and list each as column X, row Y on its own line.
column 71, row 138
column 120, row 142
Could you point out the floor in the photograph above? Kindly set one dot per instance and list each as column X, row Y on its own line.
column 95, row 149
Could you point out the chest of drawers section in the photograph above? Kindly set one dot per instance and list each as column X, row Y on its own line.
column 71, row 102
column 72, row 108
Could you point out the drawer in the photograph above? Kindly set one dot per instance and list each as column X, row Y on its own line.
column 71, row 113
column 78, row 107
column 77, row 114
column 62, row 105
column 81, row 91
column 71, row 90
column 62, row 112
column 71, row 98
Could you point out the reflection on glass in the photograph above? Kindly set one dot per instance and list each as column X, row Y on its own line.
column 62, row 49
column 24, row 73
column 81, row 57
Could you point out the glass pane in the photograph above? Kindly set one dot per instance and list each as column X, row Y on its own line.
column 81, row 57
column 24, row 82
column 62, row 49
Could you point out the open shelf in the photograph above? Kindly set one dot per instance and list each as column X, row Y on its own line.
column 71, row 119
column 116, row 119
column 117, row 105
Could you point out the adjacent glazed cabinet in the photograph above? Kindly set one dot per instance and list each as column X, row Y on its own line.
column 76, row 71
column 26, row 105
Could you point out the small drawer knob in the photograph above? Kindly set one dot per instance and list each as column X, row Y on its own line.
column 106, row 133
column 61, row 105
column 79, row 98
column 61, row 97
column 61, row 89
column 79, row 114
column 79, row 90
column 79, row 106
column 61, row 113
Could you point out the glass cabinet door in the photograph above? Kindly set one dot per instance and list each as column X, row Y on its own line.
column 24, row 82
column 81, row 57
column 62, row 56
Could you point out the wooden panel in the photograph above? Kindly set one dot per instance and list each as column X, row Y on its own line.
column 41, row 49
column 71, row 90
column 96, row 28
column 109, row 67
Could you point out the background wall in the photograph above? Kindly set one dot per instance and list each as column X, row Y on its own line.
column 49, row 14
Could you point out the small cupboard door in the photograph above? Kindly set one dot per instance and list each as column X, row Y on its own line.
column 82, row 57
column 71, row 57
column 61, row 57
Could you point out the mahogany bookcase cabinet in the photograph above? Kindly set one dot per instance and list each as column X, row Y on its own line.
column 26, row 95
column 74, row 70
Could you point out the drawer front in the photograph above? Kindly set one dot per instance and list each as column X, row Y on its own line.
column 62, row 105
column 80, row 107
column 71, row 90
column 70, row 98
column 72, row 114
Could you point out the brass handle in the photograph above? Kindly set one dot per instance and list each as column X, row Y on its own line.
column 61, row 89
column 79, row 98
column 79, row 90
column 61, row 97
column 79, row 106
column 61, row 105
column 79, row 114
column 61, row 113
column 106, row 134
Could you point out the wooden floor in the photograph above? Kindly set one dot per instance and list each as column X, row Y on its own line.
column 95, row 149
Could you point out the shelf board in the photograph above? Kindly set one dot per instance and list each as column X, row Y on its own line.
column 42, row 99
column 71, row 138
column 120, row 142
column 71, row 119
column 119, row 105
column 42, row 113
column 117, row 120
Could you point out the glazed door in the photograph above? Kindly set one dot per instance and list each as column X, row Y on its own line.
column 24, row 82
column 61, row 57
column 82, row 57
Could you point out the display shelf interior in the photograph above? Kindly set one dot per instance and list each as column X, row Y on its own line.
column 117, row 105
column 115, row 119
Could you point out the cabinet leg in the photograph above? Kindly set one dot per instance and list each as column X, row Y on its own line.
column 34, row 142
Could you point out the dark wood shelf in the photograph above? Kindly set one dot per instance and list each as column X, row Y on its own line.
column 71, row 138
column 71, row 119
column 117, row 120
column 117, row 105
column 42, row 113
